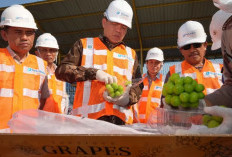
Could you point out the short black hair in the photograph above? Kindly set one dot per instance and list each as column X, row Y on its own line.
column 5, row 28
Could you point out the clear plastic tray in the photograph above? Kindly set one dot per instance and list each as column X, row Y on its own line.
column 167, row 121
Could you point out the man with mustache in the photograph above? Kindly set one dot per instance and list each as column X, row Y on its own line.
column 95, row 62
column 221, row 34
column 47, row 49
column 192, row 45
column 23, row 77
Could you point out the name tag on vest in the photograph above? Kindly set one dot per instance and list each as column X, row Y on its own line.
column 120, row 56
column 209, row 74
column 158, row 88
column 29, row 70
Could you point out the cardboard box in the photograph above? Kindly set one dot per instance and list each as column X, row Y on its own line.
column 28, row 145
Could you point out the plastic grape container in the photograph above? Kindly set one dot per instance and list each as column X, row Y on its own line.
column 167, row 121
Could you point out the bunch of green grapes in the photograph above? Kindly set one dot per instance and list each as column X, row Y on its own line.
column 182, row 91
column 212, row 121
column 114, row 90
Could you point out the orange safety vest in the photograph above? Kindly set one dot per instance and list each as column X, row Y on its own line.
column 150, row 98
column 57, row 91
column 119, row 62
column 20, row 84
column 210, row 75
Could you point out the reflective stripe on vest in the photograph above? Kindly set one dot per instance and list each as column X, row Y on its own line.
column 26, row 92
column 89, row 51
column 150, row 98
column 213, row 75
column 7, row 68
column 85, row 110
column 6, row 92
column 30, row 93
column 111, row 62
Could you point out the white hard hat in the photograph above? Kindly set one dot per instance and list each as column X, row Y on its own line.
column 155, row 53
column 191, row 32
column 215, row 27
column 17, row 16
column 119, row 11
column 47, row 40
column 225, row 5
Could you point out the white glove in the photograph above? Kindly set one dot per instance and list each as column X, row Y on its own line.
column 122, row 101
column 224, row 128
column 106, row 78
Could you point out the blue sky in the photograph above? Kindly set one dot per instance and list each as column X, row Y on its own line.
column 6, row 3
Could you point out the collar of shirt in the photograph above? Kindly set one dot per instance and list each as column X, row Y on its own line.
column 52, row 71
column 199, row 67
column 15, row 56
column 150, row 80
column 108, row 44
column 157, row 76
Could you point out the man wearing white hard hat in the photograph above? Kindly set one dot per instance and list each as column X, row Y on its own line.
column 192, row 45
column 47, row 48
column 95, row 62
column 23, row 76
column 221, row 25
column 153, row 84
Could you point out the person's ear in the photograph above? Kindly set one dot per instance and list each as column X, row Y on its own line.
column 181, row 51
column 37, row 53
column 103, row 22
column 205, row 45
column 4, row 35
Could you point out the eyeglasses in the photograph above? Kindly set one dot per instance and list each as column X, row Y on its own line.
column 47, row 50
column 195, row 45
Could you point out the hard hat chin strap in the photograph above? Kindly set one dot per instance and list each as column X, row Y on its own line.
column 56, row 57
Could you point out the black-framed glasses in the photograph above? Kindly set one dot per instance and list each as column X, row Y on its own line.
column 195, row 45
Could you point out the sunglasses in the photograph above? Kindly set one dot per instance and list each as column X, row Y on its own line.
column 195, row 45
